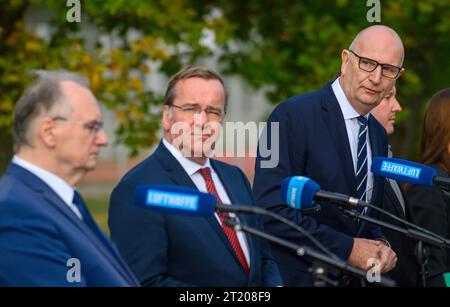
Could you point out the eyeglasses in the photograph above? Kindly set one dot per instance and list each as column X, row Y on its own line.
column 369, row 65
column 192, row 109
column 92, row 127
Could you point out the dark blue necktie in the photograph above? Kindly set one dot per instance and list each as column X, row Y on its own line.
column 79, row 202
column 87, row 218
column 361, row 164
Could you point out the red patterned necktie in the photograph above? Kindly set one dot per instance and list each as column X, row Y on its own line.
column 231, row 234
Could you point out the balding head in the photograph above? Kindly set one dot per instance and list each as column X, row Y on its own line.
column 381, row 37
column 76, row 94
column 371, row 66
column 58, row 127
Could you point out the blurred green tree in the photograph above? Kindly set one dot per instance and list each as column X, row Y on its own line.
column 295, row 46
column 286, row 46
column 141, row 33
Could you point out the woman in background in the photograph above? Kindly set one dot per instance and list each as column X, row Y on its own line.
column 431, row 204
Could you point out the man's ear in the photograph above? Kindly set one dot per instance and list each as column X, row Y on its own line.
column 344, row 64
column 46, row 132
column 166, row 120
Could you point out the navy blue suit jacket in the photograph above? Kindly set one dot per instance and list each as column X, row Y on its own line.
column 313, row 142
column 39, row 233
column 173, row 250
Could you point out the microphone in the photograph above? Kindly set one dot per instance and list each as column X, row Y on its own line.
column 408, row 171
column 301, row 193
column 188, row 201
column 184, row 201
column 311, row 254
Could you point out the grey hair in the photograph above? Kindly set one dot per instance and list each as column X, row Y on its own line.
column 60, row 75
column 42, row 98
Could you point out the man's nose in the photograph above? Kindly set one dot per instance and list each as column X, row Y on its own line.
column 201, row 118
column 397, row 107
column 375, row 76
column 102, row 138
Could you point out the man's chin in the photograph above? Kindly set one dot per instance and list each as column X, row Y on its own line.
column 91, row 165
column 370, row 102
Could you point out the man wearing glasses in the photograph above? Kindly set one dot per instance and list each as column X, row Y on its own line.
column 329, row 136
column 47, row 236
column 171, row 250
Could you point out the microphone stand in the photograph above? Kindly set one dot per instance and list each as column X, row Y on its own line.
column 318, row 259
column 421, row 237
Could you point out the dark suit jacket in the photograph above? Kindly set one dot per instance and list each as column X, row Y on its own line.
column 313, row 142
column 406, row 272
column 39, row 234
column 173, row 250
column 431, row 209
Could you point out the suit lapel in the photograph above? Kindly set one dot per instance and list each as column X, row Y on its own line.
column 108, row 244
column 334, row 119
column 377, row 151
column 390, row 194
column 173, row 168
column 232, row 186
column 178, row 175
column 54, row 200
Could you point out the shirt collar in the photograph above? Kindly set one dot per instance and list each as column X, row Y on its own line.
column 347, row 109
column 57, row 184
column 189, row 166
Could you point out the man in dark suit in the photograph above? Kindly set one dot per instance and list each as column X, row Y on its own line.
column 329, row 136
column 406, row 272
column 47, row 236
column 171, row 250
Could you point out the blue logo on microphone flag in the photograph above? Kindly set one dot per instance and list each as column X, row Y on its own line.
column 399, row 169
column 172, row 200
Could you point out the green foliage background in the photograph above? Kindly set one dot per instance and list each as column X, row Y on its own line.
column 290, row 46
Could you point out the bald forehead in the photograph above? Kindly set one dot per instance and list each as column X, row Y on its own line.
column 379, row 38
column 377, row 32
column 71, row 88
column 76, row 93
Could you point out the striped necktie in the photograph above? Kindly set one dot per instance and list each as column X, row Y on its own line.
column 361, row 164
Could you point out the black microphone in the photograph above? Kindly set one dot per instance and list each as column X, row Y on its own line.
column 307, row 252
column 301, row 193
column 185, row 201
column 191, row 202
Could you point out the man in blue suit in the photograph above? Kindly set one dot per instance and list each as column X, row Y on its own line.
column 172, row 250
column 47, row 236
column 329, row 136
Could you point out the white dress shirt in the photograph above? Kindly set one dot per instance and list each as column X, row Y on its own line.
column 58, row 185
column 192, row 168
column 352, row 125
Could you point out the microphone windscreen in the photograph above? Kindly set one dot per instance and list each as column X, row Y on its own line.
column 298, row 192
column 403, row 170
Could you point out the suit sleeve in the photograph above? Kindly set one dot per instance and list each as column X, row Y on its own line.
column 32, row 251
column 430, row 211
column 287, row 144
column 141, row 238
column 271, row 276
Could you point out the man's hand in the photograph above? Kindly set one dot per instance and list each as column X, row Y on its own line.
column 365, row 249
column 387, row 256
